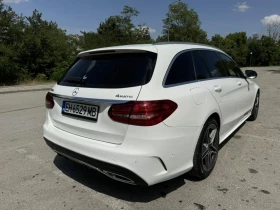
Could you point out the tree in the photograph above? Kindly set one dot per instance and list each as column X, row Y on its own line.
column 141, row 35
column 91, row 40
column 236, row 47
column 265, row 51
column 117, row 30
column 274, row 30
column 11, row 33
column 45, row 46
column 273, row 27
column 218, row 41
column 31, row 47
column 234, row 44
column 182, row 24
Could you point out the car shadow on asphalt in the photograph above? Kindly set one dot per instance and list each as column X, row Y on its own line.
column 100, row 183
column 231, row 136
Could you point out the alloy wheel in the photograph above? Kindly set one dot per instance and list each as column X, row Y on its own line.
column 256, row 105
column 209, row 150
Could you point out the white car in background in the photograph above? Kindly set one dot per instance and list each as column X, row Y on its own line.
column 144, row 114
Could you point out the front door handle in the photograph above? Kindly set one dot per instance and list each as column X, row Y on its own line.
column 218, row 88
column 239, row 83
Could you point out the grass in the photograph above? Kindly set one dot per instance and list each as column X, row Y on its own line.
column 35, row 82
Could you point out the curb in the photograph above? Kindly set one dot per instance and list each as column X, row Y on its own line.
column 20, row 91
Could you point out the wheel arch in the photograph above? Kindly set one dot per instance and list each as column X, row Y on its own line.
column 216, row 116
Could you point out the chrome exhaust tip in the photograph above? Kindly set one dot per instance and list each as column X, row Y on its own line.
column 118, row 177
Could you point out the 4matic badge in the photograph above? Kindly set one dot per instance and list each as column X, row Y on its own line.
column 123, row 96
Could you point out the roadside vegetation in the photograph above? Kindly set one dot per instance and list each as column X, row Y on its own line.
column 33, row 50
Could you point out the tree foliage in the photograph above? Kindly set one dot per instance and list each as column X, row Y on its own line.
column 234, row 44
column 31, row 47
column 182, row 24
column 11, row 33
column 265, row 50
column 117, row 30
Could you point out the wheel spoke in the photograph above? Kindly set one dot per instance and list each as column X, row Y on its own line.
column 206, row 137
column 212, row 153
column 205, row 154
column 204, row 149
column 212, row 157
column 212, row 136
column 207, row 160
column 213, row 148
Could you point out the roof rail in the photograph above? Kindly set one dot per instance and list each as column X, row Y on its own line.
column 189, row 43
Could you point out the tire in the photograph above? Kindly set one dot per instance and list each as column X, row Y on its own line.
column 207, row 147
column 255, row 110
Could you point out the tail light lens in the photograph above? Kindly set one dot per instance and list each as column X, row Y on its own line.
column 142, row 113
column 49, row 101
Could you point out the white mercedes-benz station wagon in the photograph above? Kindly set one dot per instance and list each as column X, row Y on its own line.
column 144, row 114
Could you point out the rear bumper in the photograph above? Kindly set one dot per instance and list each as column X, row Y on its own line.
column 148, row 155
column 113, row 171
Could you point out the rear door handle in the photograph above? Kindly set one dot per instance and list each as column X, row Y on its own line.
column 218, row 88
column 239, row 83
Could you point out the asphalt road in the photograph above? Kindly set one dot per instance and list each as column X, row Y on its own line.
column 247, row 174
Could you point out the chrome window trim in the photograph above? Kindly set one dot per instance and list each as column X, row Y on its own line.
column 214, row 78
column 93, row 100
column 179, row 84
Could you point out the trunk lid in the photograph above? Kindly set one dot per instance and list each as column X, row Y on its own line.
column 101, row 80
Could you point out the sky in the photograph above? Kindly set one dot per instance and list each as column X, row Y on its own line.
column 217, row 16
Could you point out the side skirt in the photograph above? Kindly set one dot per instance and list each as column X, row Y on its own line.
column 224, row 137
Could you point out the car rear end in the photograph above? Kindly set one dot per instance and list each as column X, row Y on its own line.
column 94, row 116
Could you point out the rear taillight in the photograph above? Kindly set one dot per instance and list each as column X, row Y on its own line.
column 49, row 101
column 142, row 113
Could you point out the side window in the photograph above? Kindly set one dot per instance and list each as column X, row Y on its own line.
column 233, row 69
column 213, row 63
column 201, row 69
column 182, row 70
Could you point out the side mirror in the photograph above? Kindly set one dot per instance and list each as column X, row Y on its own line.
column 251, row 74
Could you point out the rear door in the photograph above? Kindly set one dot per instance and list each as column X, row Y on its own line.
column 87, row 90
column 242, row 87
column 214, row 77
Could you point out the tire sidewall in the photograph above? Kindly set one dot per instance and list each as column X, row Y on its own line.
column 203, row 173
column 254, row 110
column 255, row 114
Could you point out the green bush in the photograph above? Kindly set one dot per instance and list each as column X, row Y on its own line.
column 41, row 77
column 59, row 71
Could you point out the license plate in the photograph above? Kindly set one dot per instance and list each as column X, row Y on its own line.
column 80, row 110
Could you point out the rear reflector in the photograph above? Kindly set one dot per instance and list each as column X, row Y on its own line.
column 142, row 113
column 49, row 101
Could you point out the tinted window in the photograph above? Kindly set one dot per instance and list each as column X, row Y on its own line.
column 201, row 69
column 182, row 70
column 233, row 69
column 111, row 70
column 213, row 63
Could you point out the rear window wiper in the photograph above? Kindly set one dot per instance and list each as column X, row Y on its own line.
column 77, row 80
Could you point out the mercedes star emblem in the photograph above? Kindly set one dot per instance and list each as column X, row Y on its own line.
column 75, row 91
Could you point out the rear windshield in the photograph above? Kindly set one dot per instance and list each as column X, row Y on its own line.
column 120, row 70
